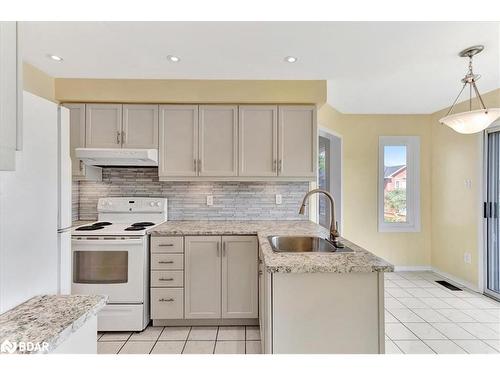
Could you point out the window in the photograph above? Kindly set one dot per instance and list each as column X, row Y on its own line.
column 399, row 184
column 329, row 178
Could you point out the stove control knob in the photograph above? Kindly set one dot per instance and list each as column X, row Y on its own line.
column 152, row 204
column 157, row 204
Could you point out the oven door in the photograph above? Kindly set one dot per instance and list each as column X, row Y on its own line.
column 112, row 266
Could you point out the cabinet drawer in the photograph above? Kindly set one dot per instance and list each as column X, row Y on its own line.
column 167, row 261
column 167, row 303
column 167, row 244
column 167, row 278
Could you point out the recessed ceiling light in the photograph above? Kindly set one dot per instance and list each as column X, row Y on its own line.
column 55, row 58
column 173, row 58
column 291, row 59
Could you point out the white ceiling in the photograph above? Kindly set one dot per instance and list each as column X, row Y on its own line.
column 371, row 67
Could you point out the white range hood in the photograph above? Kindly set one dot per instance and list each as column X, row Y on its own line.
column 126, row 157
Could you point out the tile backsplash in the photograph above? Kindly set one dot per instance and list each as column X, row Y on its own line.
column 187, row 200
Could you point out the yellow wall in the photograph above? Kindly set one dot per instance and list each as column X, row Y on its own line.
column 38, row 82
column 451, row 213
column 456, row 210
column 360, row 182
column 189, row 91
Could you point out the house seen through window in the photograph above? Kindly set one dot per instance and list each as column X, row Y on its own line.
column 399, row 184
column 395, row 184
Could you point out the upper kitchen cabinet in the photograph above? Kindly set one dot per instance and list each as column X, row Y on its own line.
column 77, row 140
column 218, row 140
column 103, row 125
column 297, row 141
column 178, row 141
column 258, row 140
column 10, row 96
column 140, row 126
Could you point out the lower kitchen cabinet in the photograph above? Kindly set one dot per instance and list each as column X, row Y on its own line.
column 167, row 303
column 167, row 278
column 239, row 277
column 202, row 277
column 322, row 313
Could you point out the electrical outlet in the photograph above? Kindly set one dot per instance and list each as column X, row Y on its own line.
column 467, row 258
column 468, row 183
column 210, row 200
column 278, row 199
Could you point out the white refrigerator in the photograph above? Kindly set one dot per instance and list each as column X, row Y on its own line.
column 64, row 184
column 35, row 208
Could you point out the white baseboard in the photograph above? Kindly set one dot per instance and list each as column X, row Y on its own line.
column 457, row 280
column 446, row 275
column 412, row 268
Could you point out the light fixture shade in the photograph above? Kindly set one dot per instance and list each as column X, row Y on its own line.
column 472, row 121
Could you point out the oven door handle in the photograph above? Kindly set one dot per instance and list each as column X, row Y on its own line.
column 89, row 241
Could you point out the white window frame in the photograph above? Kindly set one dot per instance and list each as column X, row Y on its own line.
column 412, row 144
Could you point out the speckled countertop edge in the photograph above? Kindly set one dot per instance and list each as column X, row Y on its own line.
column 361, row 260
column 48, row 318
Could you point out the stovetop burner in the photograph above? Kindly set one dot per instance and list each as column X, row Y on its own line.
column 102, row 224
column 90, row 227
column 134, row 228
column 143, row 224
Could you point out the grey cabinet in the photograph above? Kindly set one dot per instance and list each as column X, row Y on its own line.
column 103, row 125
column 121, row 126
column 178, row 156
column 218, row 140
column 258, row 140
column 77, row 140
column 167, row 278
column 297, row 141
column 239, row 277
column 202, row 277
column 140, row 126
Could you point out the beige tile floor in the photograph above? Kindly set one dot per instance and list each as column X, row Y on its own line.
column 183, row 340
column 421, row 317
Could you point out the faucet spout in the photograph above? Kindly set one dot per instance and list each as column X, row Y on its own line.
column 334, row 233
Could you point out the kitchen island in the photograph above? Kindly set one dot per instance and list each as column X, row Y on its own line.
column 307, row 302
column 61, row 324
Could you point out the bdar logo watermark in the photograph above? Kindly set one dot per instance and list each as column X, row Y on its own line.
column 8, row 347
column 11, row 347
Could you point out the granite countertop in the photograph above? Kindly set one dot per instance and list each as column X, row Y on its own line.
column 361, row 260
column 46, row 319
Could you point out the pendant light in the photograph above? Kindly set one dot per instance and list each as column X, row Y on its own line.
column 471, row 121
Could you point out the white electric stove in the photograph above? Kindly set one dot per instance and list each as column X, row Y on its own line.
column 111, row 257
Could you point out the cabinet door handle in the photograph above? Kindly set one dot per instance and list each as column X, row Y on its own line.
column 280, row 165
column 223, row 249
column 166, row 300
column 169, row 279
column 117, row 138
column 124, row 137
column 194, row 162
column 260, row 273
column 165, row 261
column 274, row 165
column 218, row 252
column 81, row 166
column 199, row 165
column 166, row 244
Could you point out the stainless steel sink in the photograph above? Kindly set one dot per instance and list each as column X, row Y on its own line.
column 304, row 244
